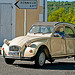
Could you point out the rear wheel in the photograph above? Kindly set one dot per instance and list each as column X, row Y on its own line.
column 40, row 58
column 9, row 61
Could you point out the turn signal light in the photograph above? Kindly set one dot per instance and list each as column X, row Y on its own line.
column 30, row 51
column 2, row 48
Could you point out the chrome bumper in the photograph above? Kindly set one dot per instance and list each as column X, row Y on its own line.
column 18, row 57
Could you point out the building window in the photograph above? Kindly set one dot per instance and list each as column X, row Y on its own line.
column 41, row 3
column 41, row 17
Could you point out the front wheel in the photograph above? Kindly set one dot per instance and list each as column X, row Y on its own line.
column 40, row 58
column 9, row 61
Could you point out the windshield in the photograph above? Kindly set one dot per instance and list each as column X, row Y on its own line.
column 41, row 29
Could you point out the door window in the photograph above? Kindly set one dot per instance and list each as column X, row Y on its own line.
column 59, row 32
column 74, row 28
column 69, row 32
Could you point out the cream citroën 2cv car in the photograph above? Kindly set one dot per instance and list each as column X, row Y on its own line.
column 44, row 41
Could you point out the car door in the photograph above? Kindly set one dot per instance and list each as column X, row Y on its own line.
column 69, row 32
column 58, row 43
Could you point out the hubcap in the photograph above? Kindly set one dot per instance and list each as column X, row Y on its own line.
column 42, row 59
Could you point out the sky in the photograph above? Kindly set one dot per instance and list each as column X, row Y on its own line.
column 62, row 0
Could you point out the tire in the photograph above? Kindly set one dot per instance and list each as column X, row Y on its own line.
column 9, row 61
column 40, row 58
column 74, row 58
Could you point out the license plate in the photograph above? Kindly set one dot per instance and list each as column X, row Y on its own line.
column 13, row 53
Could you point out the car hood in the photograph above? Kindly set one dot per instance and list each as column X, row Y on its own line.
column 20, row 41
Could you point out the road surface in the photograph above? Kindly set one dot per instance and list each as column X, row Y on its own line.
column 59, row 67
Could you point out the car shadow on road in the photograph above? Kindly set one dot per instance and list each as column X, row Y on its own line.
column 49, row 66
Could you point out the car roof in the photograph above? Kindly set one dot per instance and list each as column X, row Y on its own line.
column 52, row 23
column 46, row 23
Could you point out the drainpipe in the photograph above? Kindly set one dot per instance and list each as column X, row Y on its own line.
column 43, row 10
column 25, row 28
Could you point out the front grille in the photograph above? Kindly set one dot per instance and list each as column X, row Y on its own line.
column 14, row 48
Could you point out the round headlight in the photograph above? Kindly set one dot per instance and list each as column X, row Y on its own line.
column 6, row 41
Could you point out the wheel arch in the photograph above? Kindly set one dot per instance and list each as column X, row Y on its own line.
column 46, row 50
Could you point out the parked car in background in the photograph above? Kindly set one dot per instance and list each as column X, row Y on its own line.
column 44, row 41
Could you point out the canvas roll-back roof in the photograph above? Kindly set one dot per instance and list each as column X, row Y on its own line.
column 52, row 23
column 46, row 23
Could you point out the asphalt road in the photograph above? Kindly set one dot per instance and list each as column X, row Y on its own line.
column 59, row 67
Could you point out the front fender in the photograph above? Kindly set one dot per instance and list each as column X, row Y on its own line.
column 35, row 46
column 6, row 49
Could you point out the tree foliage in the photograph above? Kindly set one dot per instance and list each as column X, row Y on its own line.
column 61, row 12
